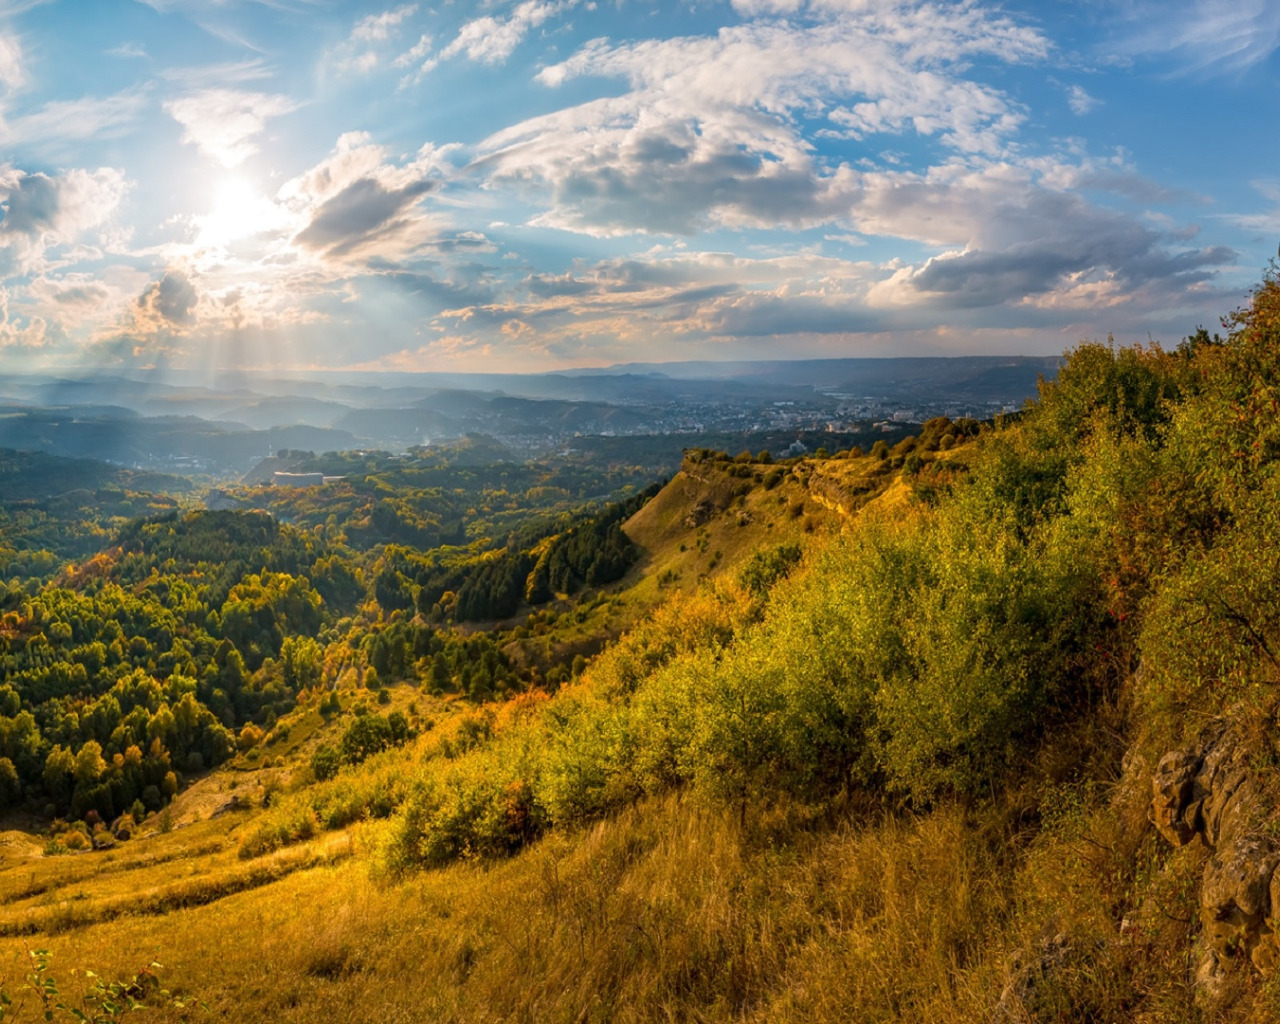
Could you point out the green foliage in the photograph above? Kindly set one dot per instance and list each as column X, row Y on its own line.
column 325, row 762
column 101, row 1002
column 371, row 734
column 764, row 568
column 1133, row 506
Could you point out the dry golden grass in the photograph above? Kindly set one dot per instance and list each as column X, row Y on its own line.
column 672, row 910
column 668, row 912
column 678, row 556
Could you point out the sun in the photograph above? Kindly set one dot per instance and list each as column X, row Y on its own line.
column 238, row 211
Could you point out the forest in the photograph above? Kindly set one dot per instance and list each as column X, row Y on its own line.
column 187, row 632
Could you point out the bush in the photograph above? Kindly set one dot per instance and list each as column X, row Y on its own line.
column 325, row 762
column 765, row 568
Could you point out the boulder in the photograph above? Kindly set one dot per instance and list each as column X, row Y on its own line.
column 1172, row 784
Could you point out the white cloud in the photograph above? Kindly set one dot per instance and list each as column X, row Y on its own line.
column 89, row 117
column 1007, row 237
column 42, row 211
column 1266, row 222
column 17, row 332
column 376, row 28
column 128, row 51
column 205, row 76
column 713, row 128
column 1080, row 102
column 414, row 54
column 356, row 203
column 12, row 73
column 224, row 122
column 492, row 40
column 1208, row 36
column 362, row 52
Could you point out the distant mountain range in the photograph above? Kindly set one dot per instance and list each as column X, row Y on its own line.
column 180, row 422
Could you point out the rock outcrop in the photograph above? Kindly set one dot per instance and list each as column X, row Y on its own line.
column 1210, row 792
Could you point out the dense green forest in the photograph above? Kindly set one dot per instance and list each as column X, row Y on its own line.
column 53, row 510
column 145, row 664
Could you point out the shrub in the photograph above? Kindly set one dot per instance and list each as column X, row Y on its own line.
column 325, row 762
column 766, row 567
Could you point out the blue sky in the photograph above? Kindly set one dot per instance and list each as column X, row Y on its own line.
column 540, row 184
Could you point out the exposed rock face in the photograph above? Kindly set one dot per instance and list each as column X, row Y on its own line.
column 1210, row 791
column 702, row 512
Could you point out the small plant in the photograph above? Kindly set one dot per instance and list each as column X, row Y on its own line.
column 101, row 1003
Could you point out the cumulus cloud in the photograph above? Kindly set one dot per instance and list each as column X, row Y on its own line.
column 416, row 52
column 224, row 123
column 358, row 203
column 42, row 210
column 76, row 292
column 683, row 297
column 712, row 128
column 378, row 27
column 77, row 299
column 361, row 214
column 170, row 301
column 17, row 332
column 362, row 51
column 1008, row 237
column 716, row 132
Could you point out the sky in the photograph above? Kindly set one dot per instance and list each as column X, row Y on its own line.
column 529, row 185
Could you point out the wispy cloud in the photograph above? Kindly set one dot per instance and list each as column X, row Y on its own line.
column 128, row 51
column 12, row 72
column 89, row 117
column 1080, row 102
column 197, row 76
column 1267, row 221
column 1208, row 36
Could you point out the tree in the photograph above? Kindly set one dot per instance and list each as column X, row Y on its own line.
column 10, row 784
column 59, row 766
column 303, row 661
column 325, row 762
column 89, row 764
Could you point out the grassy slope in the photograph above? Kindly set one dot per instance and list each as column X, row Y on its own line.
column 668, row 910
column 706, row 521
column 738, row 517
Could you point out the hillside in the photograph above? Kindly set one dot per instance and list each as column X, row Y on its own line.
column 980, row 727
